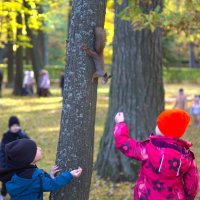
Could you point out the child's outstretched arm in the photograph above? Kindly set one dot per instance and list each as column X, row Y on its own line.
column 128, row 146
column 191, row 182
column 55, row 183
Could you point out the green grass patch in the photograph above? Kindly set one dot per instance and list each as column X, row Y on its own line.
column 181, row 75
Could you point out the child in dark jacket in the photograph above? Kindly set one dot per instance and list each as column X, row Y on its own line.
column 12, row 134
column 24, row 181
column 168, row 169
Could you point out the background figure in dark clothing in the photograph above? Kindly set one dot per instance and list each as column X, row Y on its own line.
column 62, row 82
column 1, row 82
column 14, row 133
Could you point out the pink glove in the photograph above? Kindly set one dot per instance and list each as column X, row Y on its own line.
column 119, row 117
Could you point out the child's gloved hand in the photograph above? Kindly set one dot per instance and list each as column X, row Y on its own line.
column 54, row 170
column 77, row 172
column 119, row 117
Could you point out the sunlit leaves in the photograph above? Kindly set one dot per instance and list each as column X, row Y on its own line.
column 10, row 9
column 109, row 27
column 180, row 15
column 119, row 2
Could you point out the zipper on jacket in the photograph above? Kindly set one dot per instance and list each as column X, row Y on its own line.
column 161, row 163
column 177, row 174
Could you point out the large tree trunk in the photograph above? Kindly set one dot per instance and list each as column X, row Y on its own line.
column 10, row 65
column 136, row 89
column 19, row 63
column 75, row 147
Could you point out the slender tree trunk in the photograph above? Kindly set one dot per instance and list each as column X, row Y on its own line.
column 10, row 65
column 19, row 63
column 136, row 89
column 27, row 56
column 3, row 51
column 43, row 42
column 192, row 62
column 46, row 48
column 35, row 56
column 43, row 47
column 75, row 147
column 34, row 51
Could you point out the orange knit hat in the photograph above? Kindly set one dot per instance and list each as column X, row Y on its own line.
column 173, row 123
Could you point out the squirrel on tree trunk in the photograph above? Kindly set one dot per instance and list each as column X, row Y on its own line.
column 97, row 55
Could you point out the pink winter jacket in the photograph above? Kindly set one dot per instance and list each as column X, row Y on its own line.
column 168, row 169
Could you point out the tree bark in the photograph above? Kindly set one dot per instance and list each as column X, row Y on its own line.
column 136, row 89
column 192, row 62
column 43, row 47
column 75, row 147
column 10, row 65
column 43, row 42
column 19, row 63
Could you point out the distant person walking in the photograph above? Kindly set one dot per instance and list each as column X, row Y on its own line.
column 1, row 82
column 181, row 100
column 195, row 111
column 28, row 83
column 44, row 83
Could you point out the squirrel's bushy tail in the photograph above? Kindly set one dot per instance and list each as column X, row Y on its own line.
column 100, row 39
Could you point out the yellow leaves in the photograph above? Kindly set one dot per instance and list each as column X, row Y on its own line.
column 110, row 4
column 9, row 10
column 108, row 55
column 152, row 28
column 191, row 38
column 119, row 2
column 109, row 27
column 176, row 15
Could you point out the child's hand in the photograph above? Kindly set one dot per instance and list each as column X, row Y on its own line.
column 119, row 117
column 77, row 172
column 54, row 170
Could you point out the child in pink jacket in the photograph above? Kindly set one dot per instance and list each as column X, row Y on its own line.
column 168, row 169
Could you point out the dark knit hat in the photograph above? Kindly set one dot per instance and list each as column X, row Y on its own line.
column 13, row 120
column 21, row 152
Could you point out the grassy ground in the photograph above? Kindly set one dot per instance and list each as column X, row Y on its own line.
column 40, row 117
